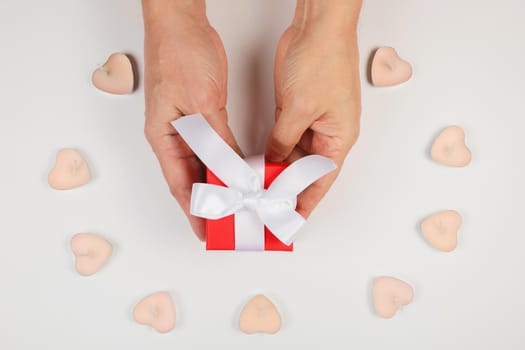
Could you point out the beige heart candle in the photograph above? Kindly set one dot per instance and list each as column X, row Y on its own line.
column 91, row 252
column 390, row 294
column 449, row 148
column 115, row 76
column 388, row 68
column 441, row 230
column 157, row 310
column 259, row 315
column 70, row 171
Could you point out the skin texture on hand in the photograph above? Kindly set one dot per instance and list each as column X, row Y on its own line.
column 317, row 90
column 316, row 85
column 185, row 73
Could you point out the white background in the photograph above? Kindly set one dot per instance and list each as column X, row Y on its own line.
column 468, row 66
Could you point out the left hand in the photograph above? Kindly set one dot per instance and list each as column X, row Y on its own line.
column 318, row 100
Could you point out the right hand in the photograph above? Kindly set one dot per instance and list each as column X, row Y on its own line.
column 185, row 73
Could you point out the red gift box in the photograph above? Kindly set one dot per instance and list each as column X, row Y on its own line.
column 220, row 234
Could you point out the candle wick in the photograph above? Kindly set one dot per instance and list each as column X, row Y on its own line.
column 154, row 310
column 440, row 226
column 397, row 302
column 449, row 149
column 74, row 167
column 86, row 253
column 391, row 64
column 262, row 310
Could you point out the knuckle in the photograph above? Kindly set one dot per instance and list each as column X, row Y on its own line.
column 148, row 132
column 353, row 134
column 350, row 137
column 174, row 191
column 352, row 130
column 180, row 195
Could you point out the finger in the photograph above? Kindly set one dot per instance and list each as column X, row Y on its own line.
column 180, row 174
column 309, row 198
column 218, row 120
column 286, row 133
column 180, row 168
column 303, row 147
column 297, row 153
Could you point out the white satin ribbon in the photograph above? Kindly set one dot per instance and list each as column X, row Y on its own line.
column 245, row 195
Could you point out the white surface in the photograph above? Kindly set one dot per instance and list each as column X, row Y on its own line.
column 468, row 70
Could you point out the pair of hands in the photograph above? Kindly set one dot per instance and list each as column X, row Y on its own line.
column 317, row 95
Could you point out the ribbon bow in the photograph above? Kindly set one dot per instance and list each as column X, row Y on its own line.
column 245, row 195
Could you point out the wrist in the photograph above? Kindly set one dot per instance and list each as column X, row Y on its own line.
column 330, row 15
column 162, row 14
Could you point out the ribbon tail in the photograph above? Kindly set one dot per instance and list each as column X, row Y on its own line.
column 284, row 224
column 216, row 154
column 299, row 175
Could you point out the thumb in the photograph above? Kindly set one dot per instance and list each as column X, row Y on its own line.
column 219, row 122
column 286, row 133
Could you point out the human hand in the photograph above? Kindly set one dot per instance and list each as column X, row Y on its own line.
column 185, row 73
column 317, row 90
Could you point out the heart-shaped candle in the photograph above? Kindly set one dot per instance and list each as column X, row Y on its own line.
column 450, row 149
column 390, row 294
column 115, row 76
column 260, row 315
column 91, row 252
column 388, row 68
column 157, row 310
column 70, row 171
column 441, row 230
